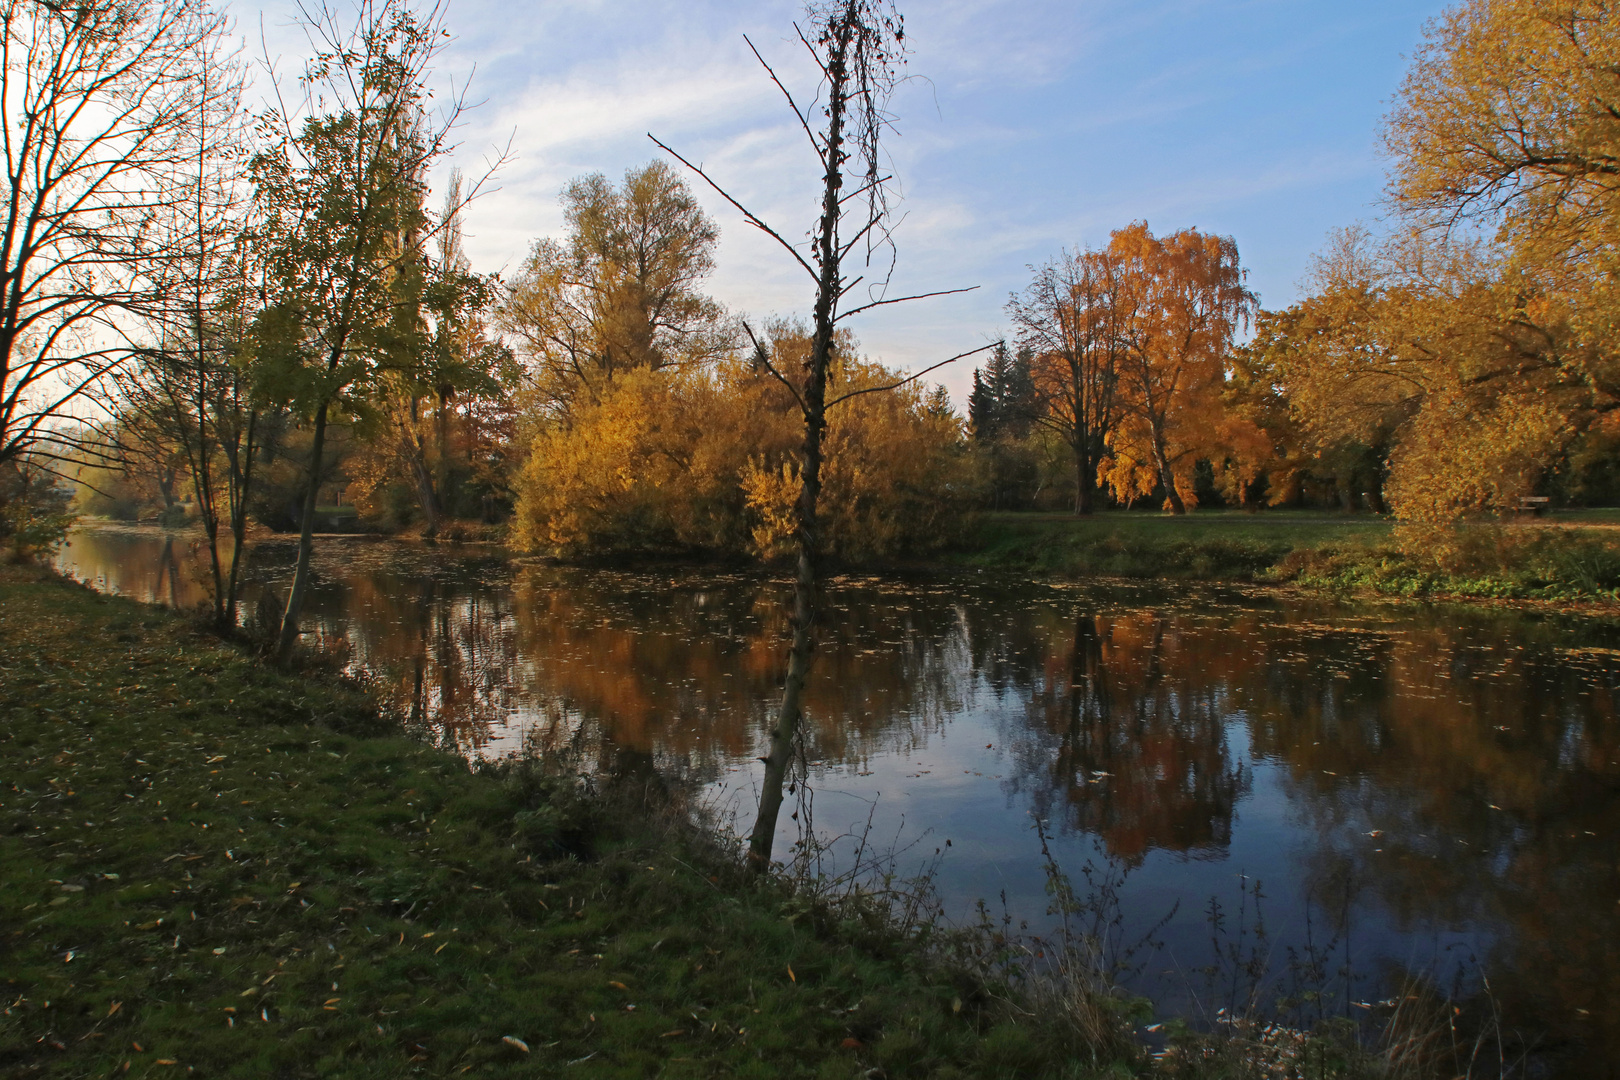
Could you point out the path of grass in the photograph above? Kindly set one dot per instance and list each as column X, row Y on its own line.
column 210, row 868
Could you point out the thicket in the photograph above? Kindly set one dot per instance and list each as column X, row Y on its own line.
column 706, row 462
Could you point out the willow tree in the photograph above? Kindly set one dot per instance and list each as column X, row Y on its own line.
column 858, row 48
column 1480, row 335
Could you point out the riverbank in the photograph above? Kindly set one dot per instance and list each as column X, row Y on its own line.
column 1572, row 557
column 214, row 867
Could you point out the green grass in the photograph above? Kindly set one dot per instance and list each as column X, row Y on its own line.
column 211, row 868
column 1206, row 544
column 1572, row 556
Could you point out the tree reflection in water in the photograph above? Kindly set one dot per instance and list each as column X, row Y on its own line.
column 1447, row 777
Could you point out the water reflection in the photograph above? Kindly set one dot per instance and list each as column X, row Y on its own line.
column 1436, row 783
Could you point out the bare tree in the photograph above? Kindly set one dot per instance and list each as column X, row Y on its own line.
column 99, row 108
column 191, row 392
column 859, row 47
column 1069, row 319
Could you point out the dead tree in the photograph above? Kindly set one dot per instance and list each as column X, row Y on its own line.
column 859, row 48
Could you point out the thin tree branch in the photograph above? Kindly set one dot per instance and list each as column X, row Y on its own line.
column 912, row 378
column 747, row 213
column 764, row 358
column 902, row 299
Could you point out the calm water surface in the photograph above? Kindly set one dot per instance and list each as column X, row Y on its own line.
column 1416, row 789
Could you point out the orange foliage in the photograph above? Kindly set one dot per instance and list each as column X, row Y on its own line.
column 1181, row 301
column 706, row 460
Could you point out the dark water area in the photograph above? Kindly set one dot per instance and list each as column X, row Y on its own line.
column 1417, row 790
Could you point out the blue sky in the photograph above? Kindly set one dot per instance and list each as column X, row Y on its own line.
column 1028, row 127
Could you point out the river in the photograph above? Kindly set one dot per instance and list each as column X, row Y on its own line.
column 1412, row 789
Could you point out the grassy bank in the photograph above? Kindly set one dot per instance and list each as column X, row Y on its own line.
column 212, row 868
column 1569, row 557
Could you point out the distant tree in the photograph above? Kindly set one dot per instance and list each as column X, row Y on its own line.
column 1002, row 403
column 621, row 292
column 1070, row 319
column 1182, row 301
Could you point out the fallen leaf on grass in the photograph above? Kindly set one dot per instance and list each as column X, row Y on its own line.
column 518, row 1043
column 618, row 985
column 115, row 1007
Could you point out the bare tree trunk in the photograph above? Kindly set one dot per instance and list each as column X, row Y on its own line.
column 1083, row 471
column 791, row 713
column 425, row 495
column 306, row 544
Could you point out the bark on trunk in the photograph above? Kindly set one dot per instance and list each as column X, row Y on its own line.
column 1082, row 483
column 306, row 544
column 1167, row 477
column 779, row 758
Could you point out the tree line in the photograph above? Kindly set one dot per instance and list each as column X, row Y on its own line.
column 1454, row 362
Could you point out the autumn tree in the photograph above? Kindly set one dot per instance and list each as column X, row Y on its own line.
column 1071, row 319
column 1498, row 304
column 857, row 47
column 1182, row 300
column 99, row 106
column 435, row 351
column 621, row 292
column 341, row 196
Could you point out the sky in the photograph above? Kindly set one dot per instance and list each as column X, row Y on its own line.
column 1025, row 127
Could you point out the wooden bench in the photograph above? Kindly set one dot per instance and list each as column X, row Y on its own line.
column 1533, row 505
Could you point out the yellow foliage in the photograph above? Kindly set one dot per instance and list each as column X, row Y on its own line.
column 670, row 460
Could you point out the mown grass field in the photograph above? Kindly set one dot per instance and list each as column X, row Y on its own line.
column 210, row 868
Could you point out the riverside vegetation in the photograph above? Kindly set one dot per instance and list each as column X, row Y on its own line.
column 218, row 867
column 1573, row 562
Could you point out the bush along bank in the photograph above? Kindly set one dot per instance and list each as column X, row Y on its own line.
column 215, row 868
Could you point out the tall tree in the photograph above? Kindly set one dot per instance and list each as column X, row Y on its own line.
column 858, row 47
column 1183, row 300
column 341, row 195
column 99, row 106
column 1070, row 318
column 192, row 389
column 622, row 291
